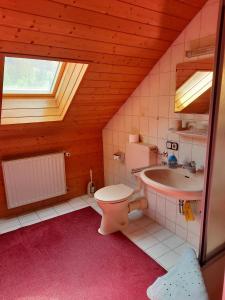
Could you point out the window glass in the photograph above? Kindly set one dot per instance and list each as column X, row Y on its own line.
column 29, row 76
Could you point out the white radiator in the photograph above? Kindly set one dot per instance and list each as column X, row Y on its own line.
column 33, row 179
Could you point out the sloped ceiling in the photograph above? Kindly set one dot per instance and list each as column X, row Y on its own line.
column 121, row 41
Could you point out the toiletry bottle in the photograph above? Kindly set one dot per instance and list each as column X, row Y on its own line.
column 172, row 161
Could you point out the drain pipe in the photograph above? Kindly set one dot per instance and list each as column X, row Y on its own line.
column 139, row 184
column 141, row 202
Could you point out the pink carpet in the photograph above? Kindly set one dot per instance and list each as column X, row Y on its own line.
column 65, row 258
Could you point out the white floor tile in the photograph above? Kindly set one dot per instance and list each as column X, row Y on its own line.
column 168, row 260
column 143, row 222
column 4, row 229
column 46, row 213
column 77, row 203
column 132, row 227
column 89, row 200
column 146, row 242
column 85, row 197
column 31, row 222
column 28, row 219
column 63, row 208
column 173, row 242
column 180, row 250
column 9, row 221
column 138, row 235
column 162, row 234
column 10, row 224
column 153, row 228
column 157, row 250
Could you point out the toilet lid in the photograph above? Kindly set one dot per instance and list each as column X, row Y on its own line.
column 111, row 193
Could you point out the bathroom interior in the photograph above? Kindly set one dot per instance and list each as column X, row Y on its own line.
column 112, row 138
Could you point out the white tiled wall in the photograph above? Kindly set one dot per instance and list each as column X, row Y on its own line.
column 149, row 112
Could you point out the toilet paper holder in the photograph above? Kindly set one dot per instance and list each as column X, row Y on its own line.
column 119, row 156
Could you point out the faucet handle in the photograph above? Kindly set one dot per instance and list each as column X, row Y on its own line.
column 163, row 154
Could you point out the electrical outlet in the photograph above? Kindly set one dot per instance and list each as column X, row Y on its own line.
column 172, row 145
column 168, row 145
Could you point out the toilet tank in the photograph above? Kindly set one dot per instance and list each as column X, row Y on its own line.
column 140, row 155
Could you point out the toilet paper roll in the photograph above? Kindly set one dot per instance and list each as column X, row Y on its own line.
column 133, row 138
column 177, row 124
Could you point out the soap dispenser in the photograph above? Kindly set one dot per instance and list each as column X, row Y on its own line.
column 172, row 161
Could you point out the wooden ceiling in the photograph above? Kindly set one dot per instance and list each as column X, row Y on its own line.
column 121, row 41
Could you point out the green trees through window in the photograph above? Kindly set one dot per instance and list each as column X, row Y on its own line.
column 29, row 76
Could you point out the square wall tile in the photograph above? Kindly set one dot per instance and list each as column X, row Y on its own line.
column 164, row 103
column 171, row 226
column 144, row 106
column 160, row 219
column 144, row 125
column 209, row 19
column 163, row 125
column 161, row 205
column 165, row 62
column 151, row 200
column 199, row 155
column 154, row 84
column 153, row 127
column 153, row 106
column 181, row 232
column 185, row 152
column 164, row 84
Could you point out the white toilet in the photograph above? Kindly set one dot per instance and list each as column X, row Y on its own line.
column 114, row 199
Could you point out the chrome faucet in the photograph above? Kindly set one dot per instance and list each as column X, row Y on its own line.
column 163, row 155
column 191, row 166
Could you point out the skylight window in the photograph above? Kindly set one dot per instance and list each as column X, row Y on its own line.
column 37, row 90
column 30, row 76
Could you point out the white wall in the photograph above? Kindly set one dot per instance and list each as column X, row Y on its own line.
column 149, row 111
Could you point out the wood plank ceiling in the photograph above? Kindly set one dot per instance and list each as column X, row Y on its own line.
column 121, row 40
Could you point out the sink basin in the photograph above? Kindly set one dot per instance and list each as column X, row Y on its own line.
column 178, row 183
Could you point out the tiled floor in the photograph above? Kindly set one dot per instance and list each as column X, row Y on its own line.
column 156, row 241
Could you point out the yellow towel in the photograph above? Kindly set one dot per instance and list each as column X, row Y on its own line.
column 188, row 213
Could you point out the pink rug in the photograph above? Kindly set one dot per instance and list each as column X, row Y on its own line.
column 65, row 258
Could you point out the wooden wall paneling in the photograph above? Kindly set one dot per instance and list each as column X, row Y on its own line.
column 120, row 40
column 117, row 69
column 111, row 77
column 77, row 165
column 17, row 19
column 46, row 39
column 73, row 55
column 171, row 7
column 128, row 11
column 60, row 11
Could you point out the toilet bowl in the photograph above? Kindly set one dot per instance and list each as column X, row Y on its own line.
column 113, row 200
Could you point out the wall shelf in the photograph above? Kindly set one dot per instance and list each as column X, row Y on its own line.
column 194, row 133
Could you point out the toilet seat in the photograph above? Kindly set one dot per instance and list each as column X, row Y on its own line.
column 114, row 193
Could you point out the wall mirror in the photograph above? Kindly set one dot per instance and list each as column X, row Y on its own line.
column 193, row 86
